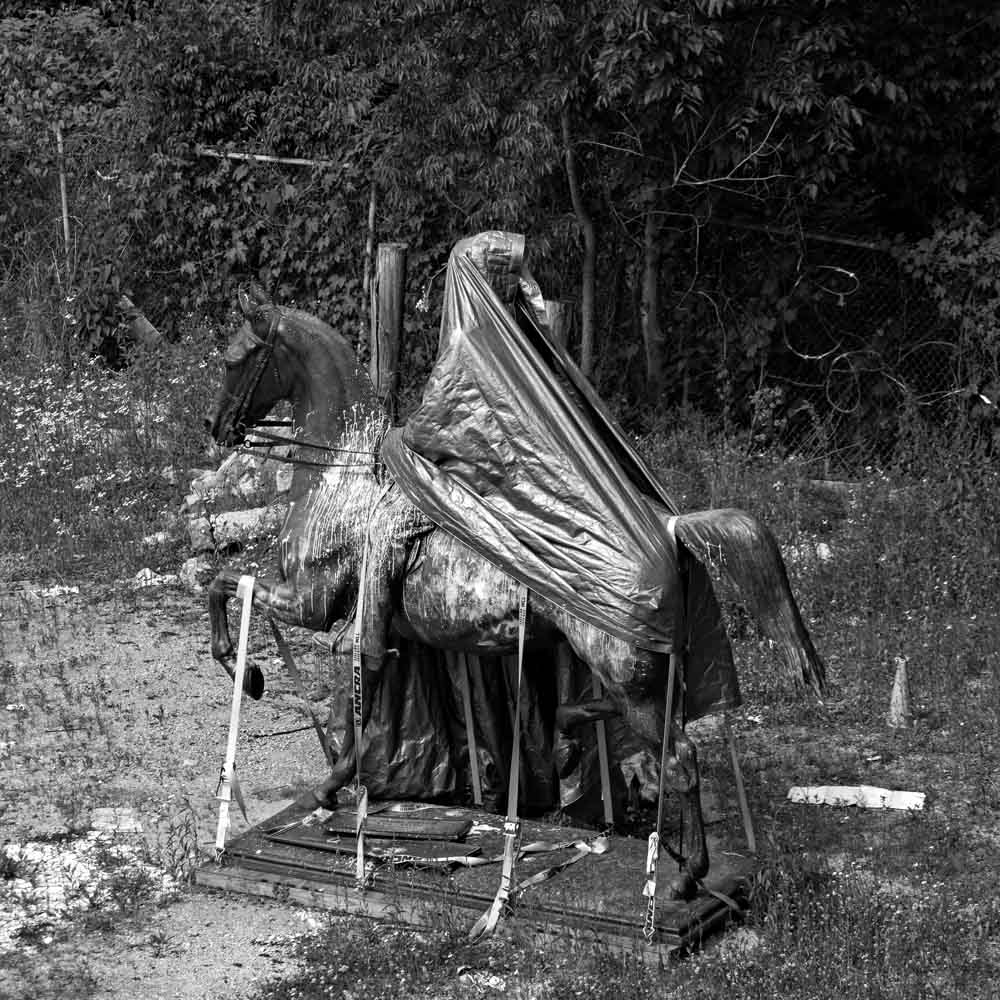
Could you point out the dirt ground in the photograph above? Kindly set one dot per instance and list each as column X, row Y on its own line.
column 114, row 700
column 110, row 699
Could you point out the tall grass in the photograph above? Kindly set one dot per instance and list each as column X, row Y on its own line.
column 94, row 461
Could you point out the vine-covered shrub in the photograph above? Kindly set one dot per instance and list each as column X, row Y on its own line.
column 959, row 264
column 64, row 123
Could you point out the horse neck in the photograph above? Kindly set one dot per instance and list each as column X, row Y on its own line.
column 332, row 406
column 324, row 389
column 331, row 527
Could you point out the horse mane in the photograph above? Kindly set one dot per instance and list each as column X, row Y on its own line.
column 311, row 327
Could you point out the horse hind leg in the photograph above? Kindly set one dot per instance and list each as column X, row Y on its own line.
column 682, row 777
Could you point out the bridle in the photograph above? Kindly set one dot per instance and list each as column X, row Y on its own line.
column 266, row 442
column 241, row 398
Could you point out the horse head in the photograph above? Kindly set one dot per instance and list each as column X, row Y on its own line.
column 280, row 353
column 253, row 381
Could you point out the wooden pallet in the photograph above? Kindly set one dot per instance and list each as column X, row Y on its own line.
column 597, row 898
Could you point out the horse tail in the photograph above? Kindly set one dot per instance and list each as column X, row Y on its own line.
column 743, row 552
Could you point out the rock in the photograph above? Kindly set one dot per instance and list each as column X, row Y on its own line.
column 205, row 486
column 248, row 485
column 283, row 478
column 238, row 527
column 196, row 572
column 740, row 943
column 149, row 578
column 115, row 819
column 200, row 534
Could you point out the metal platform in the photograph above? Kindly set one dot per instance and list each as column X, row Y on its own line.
column 427, row 864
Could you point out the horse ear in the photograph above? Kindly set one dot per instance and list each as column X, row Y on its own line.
column 258, row 295
column 248, row 306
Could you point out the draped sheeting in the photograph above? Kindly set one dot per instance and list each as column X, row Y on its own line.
column 508, row 454
column 513, row 452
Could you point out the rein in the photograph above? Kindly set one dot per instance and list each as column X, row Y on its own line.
column 282, row 439
column 242, row 399
column 265, row 441
column 270, row 441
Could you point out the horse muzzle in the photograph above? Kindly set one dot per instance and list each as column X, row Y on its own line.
column 221, row 427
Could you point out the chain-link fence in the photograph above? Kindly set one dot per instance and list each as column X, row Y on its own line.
column 863, row 343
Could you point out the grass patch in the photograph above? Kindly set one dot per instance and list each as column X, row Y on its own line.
column 95, row 461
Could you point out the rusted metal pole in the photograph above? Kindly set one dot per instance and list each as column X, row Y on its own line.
column 287, row 161
column 602, row 757
column 741, row 792
column 387, row 323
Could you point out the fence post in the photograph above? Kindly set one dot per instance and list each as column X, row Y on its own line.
column 557, row 312
column 387, row 323
column 64, row 202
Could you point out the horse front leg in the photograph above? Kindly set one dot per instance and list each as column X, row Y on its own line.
column 645, row 715
column 682, row 776
column 346, row 767
column 281, row 600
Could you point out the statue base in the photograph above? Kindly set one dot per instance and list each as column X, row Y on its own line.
column 425, row 860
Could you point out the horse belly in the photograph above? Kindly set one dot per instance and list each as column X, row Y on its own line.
column 455, row 599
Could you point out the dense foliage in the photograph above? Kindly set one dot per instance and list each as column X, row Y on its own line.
column 626, row 137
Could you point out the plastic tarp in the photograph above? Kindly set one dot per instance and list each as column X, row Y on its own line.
column 512, row 451
column 504, row 454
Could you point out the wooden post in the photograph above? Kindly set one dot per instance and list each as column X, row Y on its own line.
column 387, row 323
column 557, row 312
column 139, row 328
column 60, row 150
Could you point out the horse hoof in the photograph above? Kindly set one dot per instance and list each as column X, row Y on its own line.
column 682, row 886
column 315, row 799
column 253, row 682
column 567, row 756
column 322, row 797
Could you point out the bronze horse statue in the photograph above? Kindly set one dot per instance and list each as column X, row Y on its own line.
column 449, row 597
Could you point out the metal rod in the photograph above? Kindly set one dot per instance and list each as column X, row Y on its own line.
column 290, row 161
column 602, row 757
column 462, row 665
column 741, row 793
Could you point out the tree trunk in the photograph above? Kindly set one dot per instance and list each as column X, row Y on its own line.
column 588, row 275
column 653, row 337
